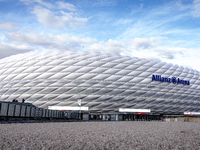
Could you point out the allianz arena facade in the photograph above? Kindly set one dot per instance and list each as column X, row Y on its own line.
column 104, row 83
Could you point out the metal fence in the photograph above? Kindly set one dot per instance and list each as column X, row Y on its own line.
column 26, row 110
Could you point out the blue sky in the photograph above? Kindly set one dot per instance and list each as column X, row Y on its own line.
column 166, row 30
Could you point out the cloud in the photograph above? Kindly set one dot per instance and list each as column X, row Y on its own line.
column 7, row 49
column 153, row 45
column 122, row 22
column 98, row 3
column 62, row 5
column 157, row 21
column 49, row 41
column 145, row 43
column 112, row 46
column 182, row 6
column 24, row 42
column 43, row 39
column 139, row 47
column 150, row 48
column 169, row 53
column 8, row 26
column 30, row 2
column 196, row 8
column 29, row 38
column 53, row 15
column 50, row 19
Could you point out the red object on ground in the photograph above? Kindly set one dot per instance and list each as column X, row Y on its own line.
column 190, row 115
column 140, row 113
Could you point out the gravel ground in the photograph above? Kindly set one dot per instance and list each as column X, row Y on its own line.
column 101, row 135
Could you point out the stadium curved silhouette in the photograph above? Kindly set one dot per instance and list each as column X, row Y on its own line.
column 105, row 83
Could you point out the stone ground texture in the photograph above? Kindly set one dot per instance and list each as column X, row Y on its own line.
column 101, row 135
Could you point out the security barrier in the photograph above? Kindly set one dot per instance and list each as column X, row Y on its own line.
column 86, row 117
column 11, row 110
column 4, row 109
column 17, row 110
column 26, row 111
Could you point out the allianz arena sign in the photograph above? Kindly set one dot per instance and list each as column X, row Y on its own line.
column 173, row 80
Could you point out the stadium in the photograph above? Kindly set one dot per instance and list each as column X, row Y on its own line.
column 100, row 84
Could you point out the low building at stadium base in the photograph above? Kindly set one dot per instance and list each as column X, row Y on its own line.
column 100, row 83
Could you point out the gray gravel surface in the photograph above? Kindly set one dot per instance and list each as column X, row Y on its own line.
column 101, row 135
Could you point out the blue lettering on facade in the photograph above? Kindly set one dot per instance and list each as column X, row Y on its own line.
column 173, row 80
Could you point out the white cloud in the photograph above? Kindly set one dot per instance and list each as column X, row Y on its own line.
column 49, row 41
column 24, row 42
column 149, row 48
column 140, row 47
column 158, row 21
column 123, row 22
column 8, row 26
column 50, row 19
column 30, row 2
column 112, row 46
column 71, row 20
column 62, row 5
column 145, row 43
column 29, row 38
column 182, row 6
column 43, row 39
column 152, row 44
column 196, row 7
column 67, row 38
column 7, row 49
column 169, row 53
column 104, row 3
column 153, row 55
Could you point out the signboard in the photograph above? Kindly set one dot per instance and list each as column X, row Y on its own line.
column 134, row 110
column 67, row 108
column 140, row 113
column 173, row 80
column 191, row 113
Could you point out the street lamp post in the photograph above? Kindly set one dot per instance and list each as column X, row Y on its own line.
column 79, row 103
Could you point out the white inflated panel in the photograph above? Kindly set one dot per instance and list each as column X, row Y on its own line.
column 104, row 82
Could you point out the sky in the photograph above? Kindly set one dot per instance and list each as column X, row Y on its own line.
column 165, row 30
